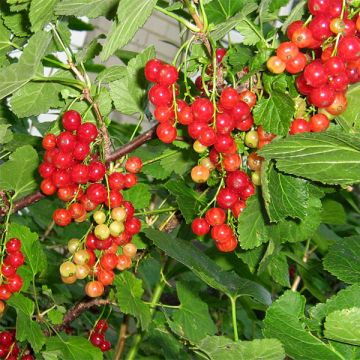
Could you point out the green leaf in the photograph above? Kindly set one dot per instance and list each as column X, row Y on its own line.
column 351, row 115
column 249, row 31
column 18, row 23
column 344, row 299
column 206, row 269
column 5, row 134
column 129, row 92
column 20, row 179
column 344, row 326
column 329, row 157
column 30, row 99
column 139, row 195
column 56, row 316
column 111, row 74
column 222, row 29
column 15, row 76
column 193, row 316
column 282, row 322
column 293, row 230
column 238, row 56
column 296, row 14
column 178, row 162
column 252, row 228
column 279, row 269
column 333, row 213
column 220, row 348
column 89, row 8
column 284, row 195
column 218, row 11
column 343, row 260
column 41, row 12
column 26, row 328
column 31, row 248
column 72, row 348
column 275, row 113
column 188, row 200
column 131, row 15
column 129, row 292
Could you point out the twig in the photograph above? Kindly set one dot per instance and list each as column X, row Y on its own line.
column 122, row 338
column 117, row 154
column 307, row 254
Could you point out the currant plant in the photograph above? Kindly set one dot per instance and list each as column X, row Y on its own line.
column 221, row 222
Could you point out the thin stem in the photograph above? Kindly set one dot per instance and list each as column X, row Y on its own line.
column 170, row 153
column 157, row 211
column 234, row 318
column 163, row 305
column 35, row 295
column 180, row 19
column 256, row 31
column 305, row 259
column 122, row 338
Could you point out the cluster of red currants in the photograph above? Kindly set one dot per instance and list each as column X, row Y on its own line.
column 9, row 349
column 11, row 282
column 216, row 127
column 97, row 336
column 330, row 60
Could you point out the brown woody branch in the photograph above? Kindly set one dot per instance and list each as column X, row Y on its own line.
column 117, row 154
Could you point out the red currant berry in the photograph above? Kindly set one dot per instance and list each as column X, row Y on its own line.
column 287, row 51
column 231, row 162
column 215, row 216
column 338, row 106
column 62, row 217
column 97, row 338
column 14, row 283
column 220, row 53
column 167, row 75
column 77, row 210
column 80, row 174
column 6, row 338
column 46, row 170
column 246, row 124
column 132, row 226
column 5, row 293
column 71, row 120
column 94, row 289
column 221, row 233
column 240, row 111
column 320, row 27
column 160, row 95
column 133, row 164
column 105, row 346
column 207, row 136
column 318, row 6
column 108, row 261
column 97, row 171
column 166, row 132
column 224, row 123
column 302, row 37
column 292, row 27
column 299, row 126
column 96, row 193
column 223, row 143
column 200, row 227
column 238, row 208
column 152, row 69
column 115, row 198
column 130, row 180
column 315, row 74
column 101, row 325
column 349, row 48
column 106, row 277
column 49, row 141
column 202, row 109
column 319, row 122
column 13, row 245
column 226, row 198
column 227, row 246
column 66, row 141
column 7, row 270
column 47, row 187
column 116, row 181
column 276, row 65
column 296, row 64
column 229, row 98
column 322, row 96
column 237, row 180
column 164, row 113
column 87, row 132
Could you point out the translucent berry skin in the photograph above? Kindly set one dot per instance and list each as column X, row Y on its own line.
column 152, row 69
column 200, row 227
column 299, row 126
column 87, row 132
column 71, row 120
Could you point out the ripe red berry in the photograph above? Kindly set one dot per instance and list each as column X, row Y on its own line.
column 195, row 129
column 13, row 245
column 349, row 48
column 220, row 53
column 240, row 111
column 318, row 6
column 6, row 338
column 299, row 126
column 62, row 217
column 49, row 141
column 302, row 37
column 200, row 227
column 71, row 120
column 77, row 210
column 80, row 174
column 97, row 171
column 46, row 170
column 226, row 198
column 320, row 27
column 130, row 180
column 166, row 132
column 287, row 51
column 81, row 151
column 167, row 75
column 106, row 277
column 97, row 338
column 101, row 326
column 322, row 96
column 5, row 293
column 223, row 143
column 202, row 109
column 319, row 122
column 207, row 136
column 14, row 283
column 108, row 261
column 129, row 209
column 7, row 270
column 47, row 187
column 185, row 115
column 105, row 346
column 296, row 64
column 292, row 27
column 215, row 216
column 132, row 226
column 339, row 104
column 229, row 98
column 315, row 74
column 248, row 191
column 224, row 123
column 164, row 113
column 152, row 69
column 238, row 208
column 116, row 181
column 133, row 164
column 231, row 162
column 221, row 233
column 96, row 193
column 115, row 198
column 66, row 141
column 227, row 246
column 87, row 132
column 160, row 95
column 334, row 66
column 63, row 160
column 237, row 180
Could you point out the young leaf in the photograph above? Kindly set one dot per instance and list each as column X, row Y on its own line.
column 329, row 157
column 34, row 253
column 206, row 269
column 220, row 347
column 129, row 292
column 351, row 115
column 221, row 10
column 89, row 8
column 71, row 348
column 343, row 260
column 193, row 316
column 282, row 322
column 275, row 113
column 344, row 326
column 139, row 195
column 252, row 228
column 20, row 179
column 111, row 74
column 250, row 33
column 41, row 12
column 284, row 195
column 26, row 328
column 131, row 15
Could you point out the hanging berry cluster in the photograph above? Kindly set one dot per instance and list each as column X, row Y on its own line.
column 73, row 167
column 325, row 52
column 216, row 126
column 11, row 282
column 9, row 349
column 97, row 336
